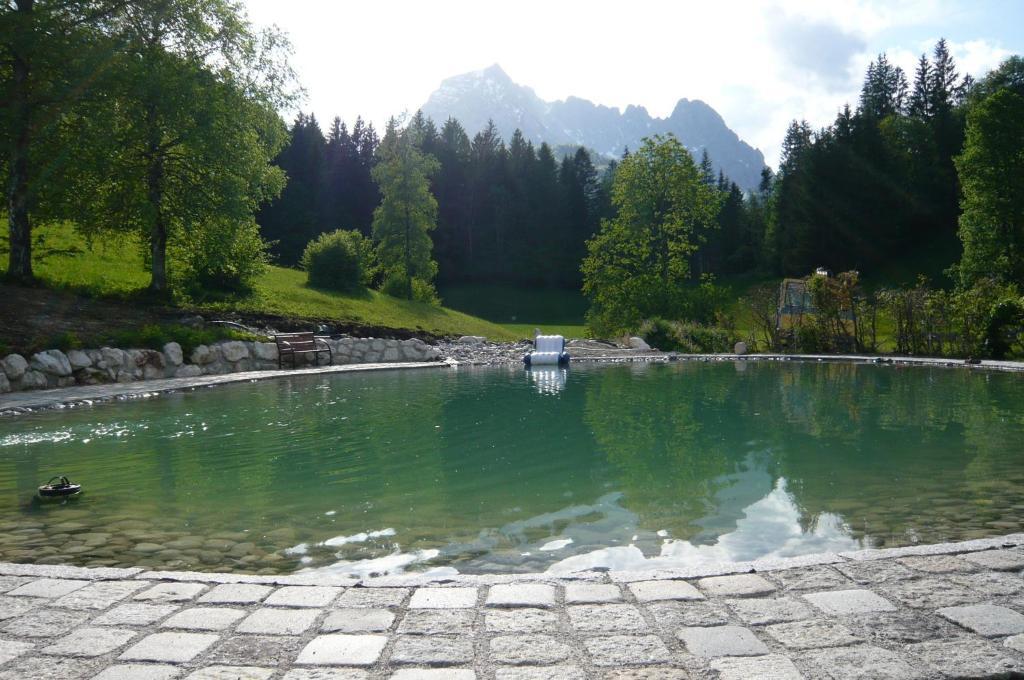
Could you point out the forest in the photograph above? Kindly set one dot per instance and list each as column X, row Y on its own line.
column 159, row 123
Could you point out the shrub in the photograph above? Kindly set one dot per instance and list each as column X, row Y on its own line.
column 222, row 256
column 687, row 336
column 338, row 260
column 396, row 284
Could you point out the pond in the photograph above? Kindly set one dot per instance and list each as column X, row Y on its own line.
column 506, row 470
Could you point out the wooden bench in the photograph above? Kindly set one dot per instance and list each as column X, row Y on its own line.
column 290, row 344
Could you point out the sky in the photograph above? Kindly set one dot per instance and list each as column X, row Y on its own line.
column 759, row 64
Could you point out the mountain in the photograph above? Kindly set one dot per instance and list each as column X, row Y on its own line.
column 474, row 98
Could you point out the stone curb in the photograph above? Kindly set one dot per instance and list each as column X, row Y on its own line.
column 596, row 576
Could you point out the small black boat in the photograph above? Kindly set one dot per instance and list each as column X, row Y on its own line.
column 64, row 487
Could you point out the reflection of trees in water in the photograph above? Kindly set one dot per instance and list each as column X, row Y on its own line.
column 655, row 425
column 877, row 444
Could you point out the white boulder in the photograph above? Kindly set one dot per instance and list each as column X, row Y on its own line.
column 234, row 350
column 113, row 359
column 79, row 360
column 639, row 343
column 51, row 362
column 472, row 340
column 173, row 354
column 740, row 348
column 188, row 371
column 266, row 351
column 14, row 366
column 204, row 354
column 33, row 380
column 5, row 384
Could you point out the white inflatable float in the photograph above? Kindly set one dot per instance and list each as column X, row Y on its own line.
column 547, row 350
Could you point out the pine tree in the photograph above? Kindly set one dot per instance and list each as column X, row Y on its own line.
column 920, row 98
column 407, row 213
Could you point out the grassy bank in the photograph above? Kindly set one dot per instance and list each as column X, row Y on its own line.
column 113, row 268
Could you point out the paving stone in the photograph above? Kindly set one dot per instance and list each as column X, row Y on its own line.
column 647, row 673
column 45, row 623
column 443, row 598
column 432, row 650
column 433, row 674
column 232, row 673
column 90, row 642
column 133, row 614
column 358, row 621
column 139, row 671
column 343, row 650
column 99, row 595
column 967, row 658
column 441, row 621
column 520, row 621
column 738, row 585
column 11, row 582
column 302, row 596
column 991, row 583
column 1015, row 642
column 849, row 602
column 172, row 592
column 985, row 619
column 236, row 593
column 169, row 647
column 372, row 597
column 859, row 663
column 771, row 667
column 48, row 587
column 876, row 572
column 939, row 564
column 930, row 593
column 10, row 607
column 606, row 618
column 257, row 650
column 325, row 674
column 652, row 591
column 9, row 649
column 998, row 560
column 204, row 618
column 51, row 668
column 809, row 578
column 279, row 621
column 759, row 611
column 592, row 593
column 627, row 650
column 544, row 673
column 900, row 626
column 812, row 634
column 521, row 595
column 674, row 615
column 528, row 650
column 721, row 641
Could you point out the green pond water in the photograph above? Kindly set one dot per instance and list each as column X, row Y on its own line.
column 502, row 469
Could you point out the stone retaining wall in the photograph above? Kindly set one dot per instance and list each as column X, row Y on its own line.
column 53, row 368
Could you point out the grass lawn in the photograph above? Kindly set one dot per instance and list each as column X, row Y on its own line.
column 553, row 311
column 113, row 267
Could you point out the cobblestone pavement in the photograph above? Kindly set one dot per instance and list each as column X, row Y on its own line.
column 946, row 611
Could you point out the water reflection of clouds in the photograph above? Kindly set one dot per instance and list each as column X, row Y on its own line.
column 769, row 528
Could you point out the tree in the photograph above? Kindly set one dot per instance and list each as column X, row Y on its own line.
column 638, row 263
column 52, row 54
column 408, row 211
column 991, row 170
column 189, row 143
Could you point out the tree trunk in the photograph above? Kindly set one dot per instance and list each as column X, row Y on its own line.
column 20, row 261
column 158, row 228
